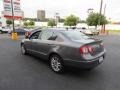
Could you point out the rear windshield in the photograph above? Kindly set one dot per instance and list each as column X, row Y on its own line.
column 75, row 35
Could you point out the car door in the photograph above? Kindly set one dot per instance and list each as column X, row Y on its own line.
column 44, row 43
column 30, row 44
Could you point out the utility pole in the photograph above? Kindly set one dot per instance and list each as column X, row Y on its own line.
column 101, row 4
column 14, row 34
column 105, row 9
column 100, row 12
column 13, row 16
column 104, row 15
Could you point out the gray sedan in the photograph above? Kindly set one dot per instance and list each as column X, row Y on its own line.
column 64, row 48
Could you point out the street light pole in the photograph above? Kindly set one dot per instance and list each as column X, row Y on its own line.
column 13, row 16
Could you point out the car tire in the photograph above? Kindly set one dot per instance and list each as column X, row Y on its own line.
column 56, row 64
column 0, row 32
column 23, row 49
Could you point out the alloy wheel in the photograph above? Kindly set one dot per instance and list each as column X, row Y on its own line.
column 56, row 64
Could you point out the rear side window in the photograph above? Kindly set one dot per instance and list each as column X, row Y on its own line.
column 48, row 35
column 53, row 37
column 75, row 35
column 45, row 35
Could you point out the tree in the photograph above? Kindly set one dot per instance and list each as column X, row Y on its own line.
column 8, row 22
column 61, row 20
column 25, row 24
column 95, row 19
column 82, row 21
column 71, row 20
column 31, row 23
column 51, row 23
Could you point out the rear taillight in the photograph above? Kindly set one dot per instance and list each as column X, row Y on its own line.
column 90, row 49
column 86, row 49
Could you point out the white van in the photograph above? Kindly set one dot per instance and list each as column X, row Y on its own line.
column 5, row 30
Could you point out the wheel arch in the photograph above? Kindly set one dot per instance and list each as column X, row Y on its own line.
column 54, row 53
column 21, row 43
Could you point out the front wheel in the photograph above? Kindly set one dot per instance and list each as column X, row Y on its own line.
column 0, row 32
column 56, row 64
column 23, row 50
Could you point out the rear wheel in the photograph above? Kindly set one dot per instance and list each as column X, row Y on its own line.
column 23, row 50
column 56, row 64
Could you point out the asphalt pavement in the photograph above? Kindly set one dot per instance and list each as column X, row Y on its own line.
column 20, row 72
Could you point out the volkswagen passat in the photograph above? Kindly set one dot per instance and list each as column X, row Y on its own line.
column 64, row 48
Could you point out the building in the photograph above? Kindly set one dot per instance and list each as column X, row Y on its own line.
column 41, row 15
column 22, row 13
column 57, row 18
column 90, row 10
column 2, row 19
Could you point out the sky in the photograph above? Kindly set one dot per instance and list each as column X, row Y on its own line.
column 67, row 7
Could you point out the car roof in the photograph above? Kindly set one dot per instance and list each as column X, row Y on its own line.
column 53, row 30
column 60, row 30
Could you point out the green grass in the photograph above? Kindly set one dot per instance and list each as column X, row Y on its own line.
column 114, row 31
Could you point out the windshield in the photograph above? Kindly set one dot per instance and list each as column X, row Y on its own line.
column 75, row 35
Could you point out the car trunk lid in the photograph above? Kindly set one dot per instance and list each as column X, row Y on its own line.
column 95, row 44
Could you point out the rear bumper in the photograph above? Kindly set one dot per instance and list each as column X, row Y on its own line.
column 84, row 64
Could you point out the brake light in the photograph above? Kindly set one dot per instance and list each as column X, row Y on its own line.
column 90, row 49
column 86, row 49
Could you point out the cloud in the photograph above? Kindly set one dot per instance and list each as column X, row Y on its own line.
column 67, row 7
column 64, row 7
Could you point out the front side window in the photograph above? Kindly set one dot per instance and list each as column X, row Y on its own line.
column 75, row 35
column 35, row 35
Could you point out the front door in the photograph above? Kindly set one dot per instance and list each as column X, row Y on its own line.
column 31, row 43
column 44, row 44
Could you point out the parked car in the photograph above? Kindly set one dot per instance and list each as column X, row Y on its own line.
column 89, row 31
column 19, row 31
column 4, row 30
column 65, row 48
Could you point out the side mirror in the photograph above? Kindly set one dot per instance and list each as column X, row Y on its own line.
column 26, row 37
